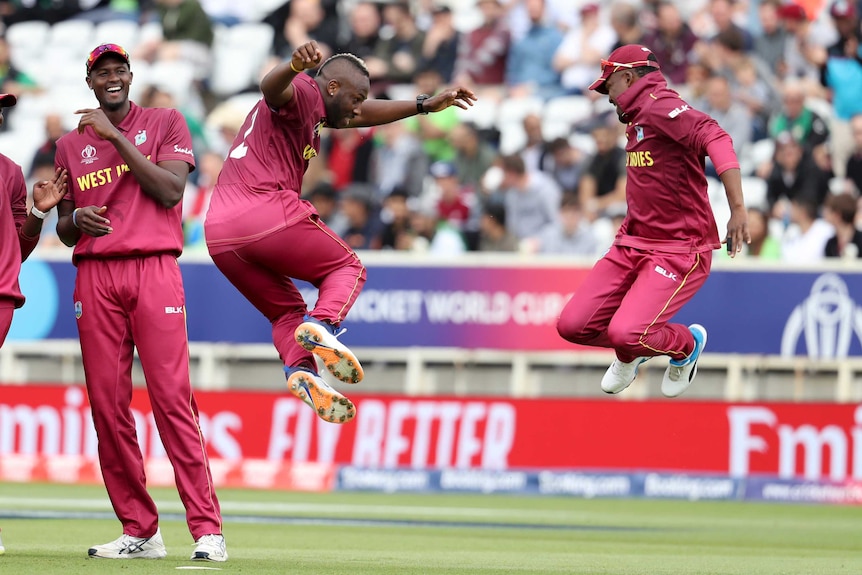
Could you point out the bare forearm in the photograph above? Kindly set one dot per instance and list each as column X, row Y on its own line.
column 732, row 180
column 376, row 112
column 68, row 233
column 160, row 184
column 276, row 86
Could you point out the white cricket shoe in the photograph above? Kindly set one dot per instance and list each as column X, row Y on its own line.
column 620, row 375
column 679, row 374
column 2, row 549
column 210, row 548
column 321, row 339
column 128, row 547
column 328, row 403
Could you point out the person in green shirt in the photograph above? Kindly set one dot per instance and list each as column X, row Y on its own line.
column 433, row 129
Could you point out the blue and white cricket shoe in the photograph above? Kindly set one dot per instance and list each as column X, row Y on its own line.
column 680, row 374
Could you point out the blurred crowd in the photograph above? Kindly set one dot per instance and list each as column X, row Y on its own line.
column 538, row 166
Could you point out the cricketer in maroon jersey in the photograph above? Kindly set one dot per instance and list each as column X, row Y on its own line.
column 20, row 230
column 261, row 234
column 127, row 171
column 663, row 251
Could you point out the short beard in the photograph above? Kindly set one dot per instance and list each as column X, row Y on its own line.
column 114, row 107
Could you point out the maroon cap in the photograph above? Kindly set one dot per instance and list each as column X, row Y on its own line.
column 792, row 12
column 628, row 56
column 8, row 100
column 589, row 8
column 843, row 9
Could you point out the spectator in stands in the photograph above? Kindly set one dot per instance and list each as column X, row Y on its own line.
column 196, row 200
column 730, row 114
column 433, row 129
column 397, row 57
column 473, row 154
column 770, row 43
column 307, row 20
column 324, row 198
column 841, row 74
column 794, row 174
column 130, row 10
column 347, row 154
column 363, row 32
column 763, row 245
column 529, row 67
column 494, row 230
column 802, row 47
column 693, row 90
column 794, row 117
column 625, row 20
column 603, row 184
column 14, row 11
column 432, row 236
column 566, row 166
column 532, row 198
column 672, row 41
column 187, row 35
column 805, row 239
column 155, row 97
column 482, row 52
column 453, row 200
column 440, row 48
column 398, row 160
column 722, row 14
column 583, row 45
column 13, row 81
column 571, row 234
column 364, row 228
column 840, row 212
column 304, row 18
column 535, row 152
column 854, row 162
column 396, row 219
column 44, row 155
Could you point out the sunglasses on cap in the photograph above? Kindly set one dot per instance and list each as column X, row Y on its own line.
column 100, row 51
column 617, row 65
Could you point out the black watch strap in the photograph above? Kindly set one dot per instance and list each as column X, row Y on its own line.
column 420, row 100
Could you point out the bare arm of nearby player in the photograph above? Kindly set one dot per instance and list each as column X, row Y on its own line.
column 737, row 226
column 165, row 182
column 277, row 85
column 376, row 112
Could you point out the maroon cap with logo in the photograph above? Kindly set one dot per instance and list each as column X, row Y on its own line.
column 628, row 56
column 8, row 100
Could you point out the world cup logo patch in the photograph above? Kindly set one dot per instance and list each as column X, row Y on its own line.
column 79, row 310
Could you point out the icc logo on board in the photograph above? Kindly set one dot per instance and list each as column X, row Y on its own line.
column 828, row 320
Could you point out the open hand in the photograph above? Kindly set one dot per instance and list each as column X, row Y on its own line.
column 457, row 96
column 48, row 193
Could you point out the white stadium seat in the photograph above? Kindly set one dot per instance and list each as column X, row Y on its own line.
column 754, row 191
column 122, row 32
column 238, row 55
column 560, row 114
column 27, row 42
column 514, row 110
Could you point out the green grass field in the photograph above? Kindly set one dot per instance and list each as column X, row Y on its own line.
column 362, row 533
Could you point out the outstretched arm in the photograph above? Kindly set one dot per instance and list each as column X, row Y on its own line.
column 376, row 112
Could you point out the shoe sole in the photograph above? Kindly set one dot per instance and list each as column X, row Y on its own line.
column 201, row 556
column 330, row 405
column 693, row 373
column 142, row 555
column 341, row 363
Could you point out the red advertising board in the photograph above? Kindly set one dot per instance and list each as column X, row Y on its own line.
column 276, row 432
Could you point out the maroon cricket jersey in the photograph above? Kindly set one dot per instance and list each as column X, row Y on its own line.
column 257, row 192
column 13, row 212
column 99, row 176
column 666, row 189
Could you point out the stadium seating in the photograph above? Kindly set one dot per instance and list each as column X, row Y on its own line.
column 239, row 52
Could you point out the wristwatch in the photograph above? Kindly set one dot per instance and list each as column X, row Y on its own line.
column 420, row 103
